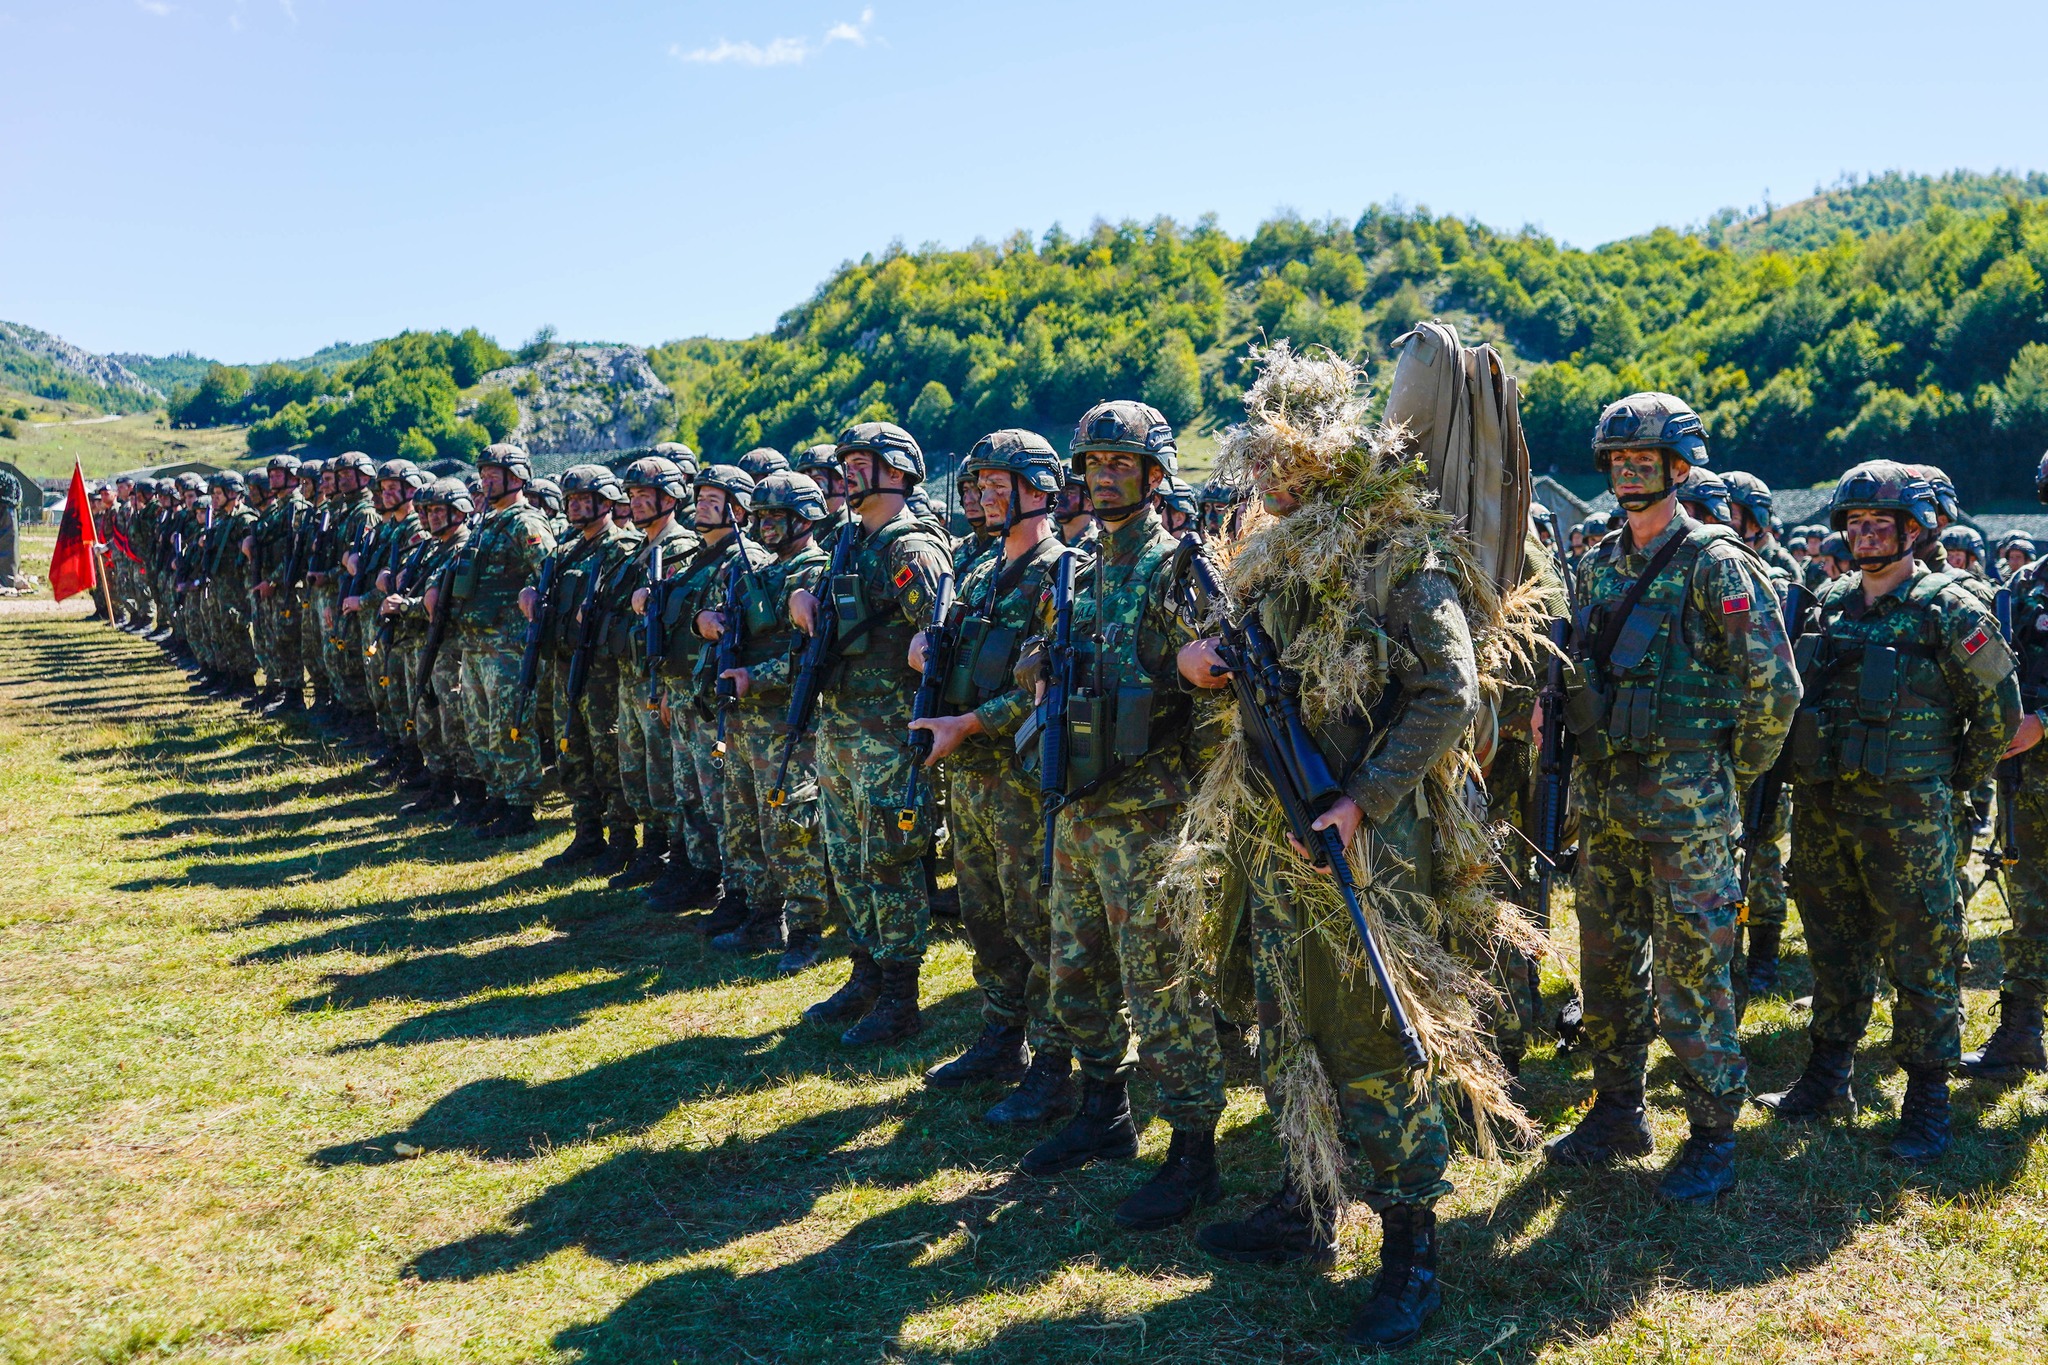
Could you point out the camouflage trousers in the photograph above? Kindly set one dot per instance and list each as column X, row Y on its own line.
column 1509, row 798
column 390, row 685
column 698, row 809
column 227, row 630
column 861, row 768
column 587, row 744
column 996, row 843
column 127, row 583
column 437, row 713
column 280, row 617
column 1114, row 964
column 1395, row 1124
column 1656, row 946
column 1873, row 867
column 341, row 660
column 312, row 637
column 646, row 759
column 2023, row 947
column 776, row 852
column 1766, row 872
column 510, row 768
column 166, row 600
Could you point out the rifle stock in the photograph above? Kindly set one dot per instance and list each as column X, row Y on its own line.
column 653, row 646
column 727, row 654
column 810, row 672
column 2007, row 774
column 940, row 640
column 588, row 620
column 529, row 652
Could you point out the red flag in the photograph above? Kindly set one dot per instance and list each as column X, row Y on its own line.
column 72, row 566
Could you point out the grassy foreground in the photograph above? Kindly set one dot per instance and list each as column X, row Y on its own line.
column 285, row 1080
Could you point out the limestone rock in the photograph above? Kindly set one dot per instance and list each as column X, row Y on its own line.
column 584, row 400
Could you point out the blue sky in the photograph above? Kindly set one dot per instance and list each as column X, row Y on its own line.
column 256, row 178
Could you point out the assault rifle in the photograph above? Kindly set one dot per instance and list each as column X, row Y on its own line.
column 1060, row 663
column 588, row 627
column 726, row 654
column 653, row 646
column 437, row 631
column 1269, row 709
column 2007, row 776
column 1554, row 753
column 1760, row 805
column 810, row 669
column 387, row 624
column 941, row 641
column 529, row 654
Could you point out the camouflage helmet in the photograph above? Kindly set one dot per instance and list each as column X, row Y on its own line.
column 353, row 461
column 785, row 490
column 1883, row 485
column 228, row 481
column 1025, row 454
column 1747, row 490
column 762, row 461
column 1540, row 513
column 405, row 473
column 547, row 493
column 659, row 473
column 288, row 463
column 508, row 457
column 145, row 487
column 450, row 493
column 1964, row 538
column 1177, row 493
column 1944, row 490
column 595, row 479
column 734, row 482
column 310, row 469
column 1835, row 545
column 823, row 456
column 887, row 442
column 1217, row 493
column 128, row 479
column 188, row 482
column 1702, row 488
column 2016, row 540
column 680, row 455
column 918, row 503
column 1650, row 421
column 1126, row 425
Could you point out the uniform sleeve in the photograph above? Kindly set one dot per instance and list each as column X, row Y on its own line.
column 1734, row 596
column 916, row 564
column 1439, row 693
column 1984, row 677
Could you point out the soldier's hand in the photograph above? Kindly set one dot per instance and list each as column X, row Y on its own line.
column 742, row 681
column 711, row 624
column 1201, row 663
column 639, row 600
column 948, row 733
column 803, row 610
column 266, row 589
column 529, row 602
column 2027, row 736
column 384, row 580
column 1345, row 817
column 433, row 596
column 919, row 647
column 349, row 561
column 662, row 710
column 351, row 605
column 391, row 606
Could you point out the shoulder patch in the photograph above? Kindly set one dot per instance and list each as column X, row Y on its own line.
column 903, row 576
column 1735, row 604
column 1976, row 640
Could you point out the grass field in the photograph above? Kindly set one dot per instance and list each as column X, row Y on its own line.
column 55, row 434
column 284, row 1080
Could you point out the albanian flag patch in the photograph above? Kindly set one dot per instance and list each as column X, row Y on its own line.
column 1976, row 641
column 1734, row 605
column 904, row 575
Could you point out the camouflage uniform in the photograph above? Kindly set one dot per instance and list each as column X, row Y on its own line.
column 437, row 711
column 1690, row 710
column 226, row 594
column 397, row 545
column 276, row 620
column 1873, row 833
column 587, row 732
column 646, row 755
column 503, row 555
column 2023, row 947
column 355, row 523
column 317, row 597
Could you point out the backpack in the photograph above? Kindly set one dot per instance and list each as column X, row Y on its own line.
column 1463, row 415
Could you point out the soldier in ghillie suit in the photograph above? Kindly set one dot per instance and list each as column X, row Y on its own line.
column 995, row 812
column 1912, row 696
column 1681, row 694
column 1372, row 600
column 2014, row 1050
column 879, row 604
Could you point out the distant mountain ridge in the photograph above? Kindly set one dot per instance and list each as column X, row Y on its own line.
column 52, row 367
column 1866, row 206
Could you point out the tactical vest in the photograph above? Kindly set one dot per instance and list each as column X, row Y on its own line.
column 1877, row 702
column 985, row 659
column 1654, row 695
column 578, row 560
column 871, row 638
column 2030, row 633
column 1114, row 718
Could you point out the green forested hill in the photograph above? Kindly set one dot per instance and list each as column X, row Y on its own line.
column 1925, row 340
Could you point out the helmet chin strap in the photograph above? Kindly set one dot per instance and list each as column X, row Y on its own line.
column 1907, row 545
column 1637, row 502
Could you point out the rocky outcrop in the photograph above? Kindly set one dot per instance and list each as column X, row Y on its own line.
column 584, row 400
column 77, row 361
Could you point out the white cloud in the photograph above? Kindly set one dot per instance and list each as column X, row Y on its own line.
column 156, row 7
column 777, row 51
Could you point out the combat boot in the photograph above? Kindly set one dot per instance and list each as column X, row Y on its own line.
column 1824, row 1087
column 412, row 767
column 439, row 796
column 1611, row 1130
column 850, row 1001
column 761, row 932
column 620, row 846
column 1102, row 1131
column 1923, row 1131
column 894, row 1015
column 513, row 822
column 291, row 703
column 262, row 699
column 1705, row 1168
column 478, row 807
column 1287, row 1229
column 998, row 1054
column 648, row 863
column 799, row 953
column 1761, row 966
column 730, row 914
column 2013, row 1051
column 670, row 888
column 1406, row 1294
column 1185, row 1181
column 588, row 844
column 1046, row 1092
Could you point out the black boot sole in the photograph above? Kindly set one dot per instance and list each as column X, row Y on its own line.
column 961, row 1080
column 1118, row 1152
column 1163, row 1221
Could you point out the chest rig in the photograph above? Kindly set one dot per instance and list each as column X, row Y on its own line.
column 1877, row 703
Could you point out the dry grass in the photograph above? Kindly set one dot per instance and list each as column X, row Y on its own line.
column 236, row 994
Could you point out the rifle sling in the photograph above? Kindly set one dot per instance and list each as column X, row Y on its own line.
column 1611, row 628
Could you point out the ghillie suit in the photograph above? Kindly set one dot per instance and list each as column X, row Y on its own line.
column 1366, row 523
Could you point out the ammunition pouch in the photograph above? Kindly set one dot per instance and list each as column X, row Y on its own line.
column 850, row 608
column 981, row 666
